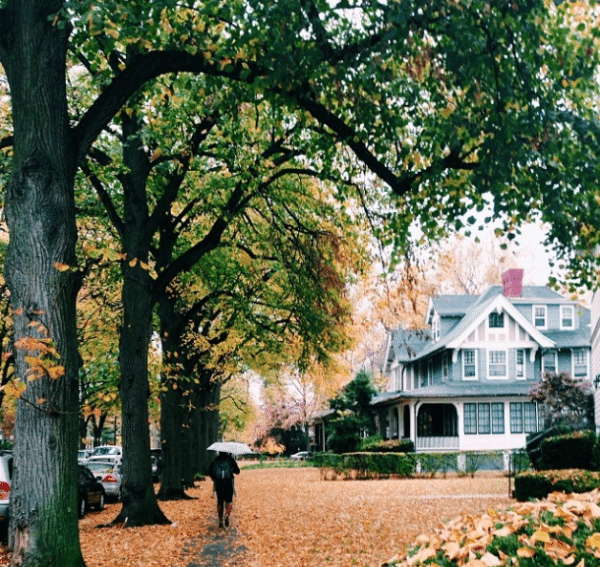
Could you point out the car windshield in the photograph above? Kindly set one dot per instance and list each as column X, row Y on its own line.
column 106, row 451
column 101, row 467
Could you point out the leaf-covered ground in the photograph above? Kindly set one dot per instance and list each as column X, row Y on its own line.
column 291, row 517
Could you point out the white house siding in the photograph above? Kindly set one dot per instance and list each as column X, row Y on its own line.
column 596, row 353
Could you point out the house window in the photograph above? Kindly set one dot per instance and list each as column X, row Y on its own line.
column 580, row 363
column 483, row 418
column 497, row 417
column 435, row 328
column 470, row 415
column 429, row 372
column 469, row 364
column 529, row 417
column 567, row 317
column 445, row 366
column 549, row 363
column 516, row 417
column 497, row 364
column 523, row 417
column 423, row 374
column 540, row 316
column 496, row 320
column 520, row 363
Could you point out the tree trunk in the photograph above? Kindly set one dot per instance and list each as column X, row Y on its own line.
column 140, row 506
column 40, row 213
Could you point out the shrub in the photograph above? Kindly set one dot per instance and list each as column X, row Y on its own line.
column 538, row 484
column 363, row 465
column 569, row 451
column 376, row 445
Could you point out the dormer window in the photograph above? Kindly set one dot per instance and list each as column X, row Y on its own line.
column 496, row 320
column 435, row 327
column 540, row 316
column 567, row 317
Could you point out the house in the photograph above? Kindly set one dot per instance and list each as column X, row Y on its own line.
column 464, row 385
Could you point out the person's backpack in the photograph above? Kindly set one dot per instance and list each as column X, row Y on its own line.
column 222, row 469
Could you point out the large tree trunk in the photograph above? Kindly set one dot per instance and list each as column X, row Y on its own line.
column 140, row 506
column 40, row 213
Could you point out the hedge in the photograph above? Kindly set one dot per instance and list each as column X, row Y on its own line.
column 568, row 451
column 538, row 484
column 364, row 465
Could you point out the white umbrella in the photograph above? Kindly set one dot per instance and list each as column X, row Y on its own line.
column 233, row 447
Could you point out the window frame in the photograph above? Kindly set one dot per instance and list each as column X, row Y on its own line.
column 523, row 376
column 498, row 318
column 554, row 353
column 465, row 364
column 445, row 366
column 570, row 308
column 490, row 364
column 533, row 316
column 516, row 418
column 497, row 418
column 574, row 364
column 484, row 418
column 470, row 418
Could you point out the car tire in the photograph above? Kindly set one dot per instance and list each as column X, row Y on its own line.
column 100, row 505
column 81, row 507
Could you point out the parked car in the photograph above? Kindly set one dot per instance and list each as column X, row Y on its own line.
column 108, row 473
column 302, row 456
column 106, row 450
column 6, row 473
column 83, row 455
column 115, row 459
column 90, row 492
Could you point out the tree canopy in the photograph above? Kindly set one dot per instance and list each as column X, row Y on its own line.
column 424, row 110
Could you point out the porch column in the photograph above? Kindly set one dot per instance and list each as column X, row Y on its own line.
column 413, row 422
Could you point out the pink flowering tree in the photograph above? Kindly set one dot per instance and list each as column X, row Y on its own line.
column 566, row 400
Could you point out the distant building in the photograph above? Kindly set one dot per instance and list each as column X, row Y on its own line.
column 464, row 385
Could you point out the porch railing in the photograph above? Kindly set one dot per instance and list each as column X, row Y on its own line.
column 439, row 443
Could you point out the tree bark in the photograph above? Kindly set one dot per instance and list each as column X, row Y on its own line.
column 40, row 213
column 140, row 506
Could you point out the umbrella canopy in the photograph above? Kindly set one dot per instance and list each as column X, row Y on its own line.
column 233, row 447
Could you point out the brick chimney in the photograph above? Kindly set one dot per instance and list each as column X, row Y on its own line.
column 513, row 282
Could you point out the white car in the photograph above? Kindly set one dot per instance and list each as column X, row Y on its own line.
column 6, row 472
column 108, row 473
column 302, row 456
column 107, row 450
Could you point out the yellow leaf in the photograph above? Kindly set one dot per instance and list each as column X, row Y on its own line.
column 526, row 552
column 491, row 560
column 541, row 536
column 593, row 540
column 133, row 262
column 157, row 153
column 61, row 267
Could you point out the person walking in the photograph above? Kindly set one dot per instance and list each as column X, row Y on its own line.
column 221, row 471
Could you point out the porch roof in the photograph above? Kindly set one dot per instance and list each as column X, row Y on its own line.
column 455, row 390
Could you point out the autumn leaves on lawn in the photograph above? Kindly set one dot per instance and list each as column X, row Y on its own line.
column 563, row 530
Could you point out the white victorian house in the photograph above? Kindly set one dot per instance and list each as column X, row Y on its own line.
column 464, row 385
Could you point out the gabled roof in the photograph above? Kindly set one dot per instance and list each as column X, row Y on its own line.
column 492, row 300
column 480, row 308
